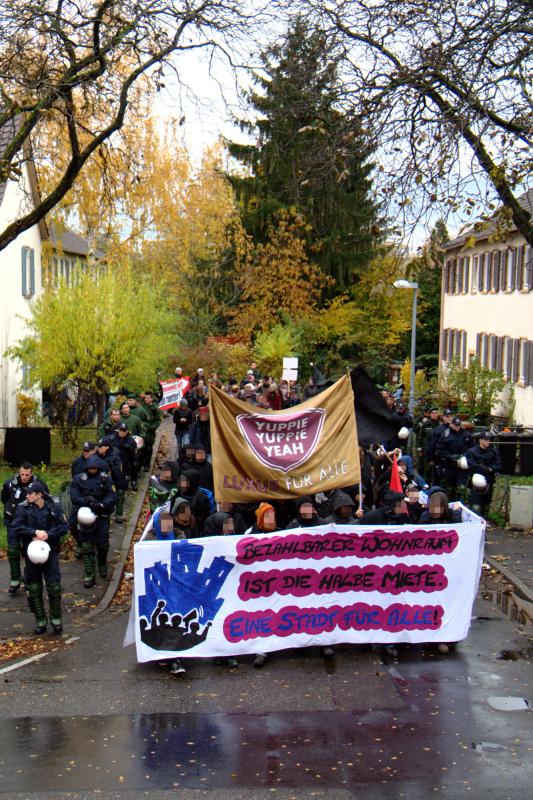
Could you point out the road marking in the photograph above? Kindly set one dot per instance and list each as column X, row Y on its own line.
column 36, row 657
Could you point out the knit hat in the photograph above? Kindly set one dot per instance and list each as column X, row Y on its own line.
column 260, row 514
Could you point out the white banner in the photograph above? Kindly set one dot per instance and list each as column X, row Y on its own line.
column 232, row 595
column 173, row 391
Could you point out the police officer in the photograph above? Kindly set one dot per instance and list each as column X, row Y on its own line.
column 93, row 489
column 154, row 419
column 453, row 444
column 13, row 494
column 107, row 428
column 126, row 447
column 483, row 459
column 111, row 457
column 430, row 452
column 40, row 518
column 78, row 465
column 423, row 438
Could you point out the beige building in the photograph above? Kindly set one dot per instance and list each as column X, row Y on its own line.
column 487, row 308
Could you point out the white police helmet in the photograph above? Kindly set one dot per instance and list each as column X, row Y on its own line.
column 139, row 441
column 38, row 551
column 462, row 463
column 479, row 481
column 403, row 433
column 86, row 516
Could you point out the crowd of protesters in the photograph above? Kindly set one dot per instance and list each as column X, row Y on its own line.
column 446, row 464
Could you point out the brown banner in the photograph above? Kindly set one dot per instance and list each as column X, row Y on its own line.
column 260, row 454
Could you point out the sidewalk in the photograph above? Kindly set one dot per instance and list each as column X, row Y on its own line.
column 512, row 553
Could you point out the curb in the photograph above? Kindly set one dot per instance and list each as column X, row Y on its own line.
column 118, row 568
column 509, row 575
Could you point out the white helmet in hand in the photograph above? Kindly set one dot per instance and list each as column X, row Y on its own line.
column 479, row 481
column 86, row 517
column 38, row 551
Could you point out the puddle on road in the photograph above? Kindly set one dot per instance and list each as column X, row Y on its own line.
column 509, row 703
column 488, row 747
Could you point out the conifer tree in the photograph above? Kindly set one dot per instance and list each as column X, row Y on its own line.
column 309, row 156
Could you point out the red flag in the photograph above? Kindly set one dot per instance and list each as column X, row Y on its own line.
column 395, row 482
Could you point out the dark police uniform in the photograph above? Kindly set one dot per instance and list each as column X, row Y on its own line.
column 13, row 494
column 487, row 462
column 451, row 446
column 50, row 518
column 96, row 492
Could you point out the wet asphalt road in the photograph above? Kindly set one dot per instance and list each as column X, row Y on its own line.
column 89, row 722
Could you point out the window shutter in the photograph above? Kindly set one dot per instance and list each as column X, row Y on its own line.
column 481, row 272
column 463, row 349
column 478, row 345
column 529, row 380
column 445, row 276
column 443, row 340
column 519, row 268
column 24, row 268
column 32, row 272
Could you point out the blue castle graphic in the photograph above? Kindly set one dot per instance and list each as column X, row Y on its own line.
column 185, row 587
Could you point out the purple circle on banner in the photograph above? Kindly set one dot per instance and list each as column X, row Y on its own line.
column 282, row 441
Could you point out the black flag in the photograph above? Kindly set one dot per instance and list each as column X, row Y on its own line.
column 375, row 422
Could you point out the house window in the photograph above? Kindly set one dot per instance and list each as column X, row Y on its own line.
column 507, row 357
column 26, row 382
column 28, row 271
column 475, row 273
column 466, row 274
column 495, row 278
column 504, row 272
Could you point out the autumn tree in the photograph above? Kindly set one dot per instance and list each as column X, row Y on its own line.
column 100, row 334
column 195, row 235
column 76, row 63
column 276, row 280
column 382, row 313
column 308, row 155
column 444, row 91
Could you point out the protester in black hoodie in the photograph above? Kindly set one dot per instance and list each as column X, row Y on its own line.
column 189, row 483
column 343, row 510
column 225, row 521
column 204, row 468
column 306, row 514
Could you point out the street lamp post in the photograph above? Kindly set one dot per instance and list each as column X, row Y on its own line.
column 403, row 284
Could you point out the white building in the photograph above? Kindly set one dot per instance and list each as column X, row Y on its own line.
column 20, row 276
column 487, row 307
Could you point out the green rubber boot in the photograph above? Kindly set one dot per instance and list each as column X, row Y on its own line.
column 35, row 595
column 73, row 528
column 119, row 508
column 101, row 557
column 54, row 601
column 87, row 550
column 13, row 556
